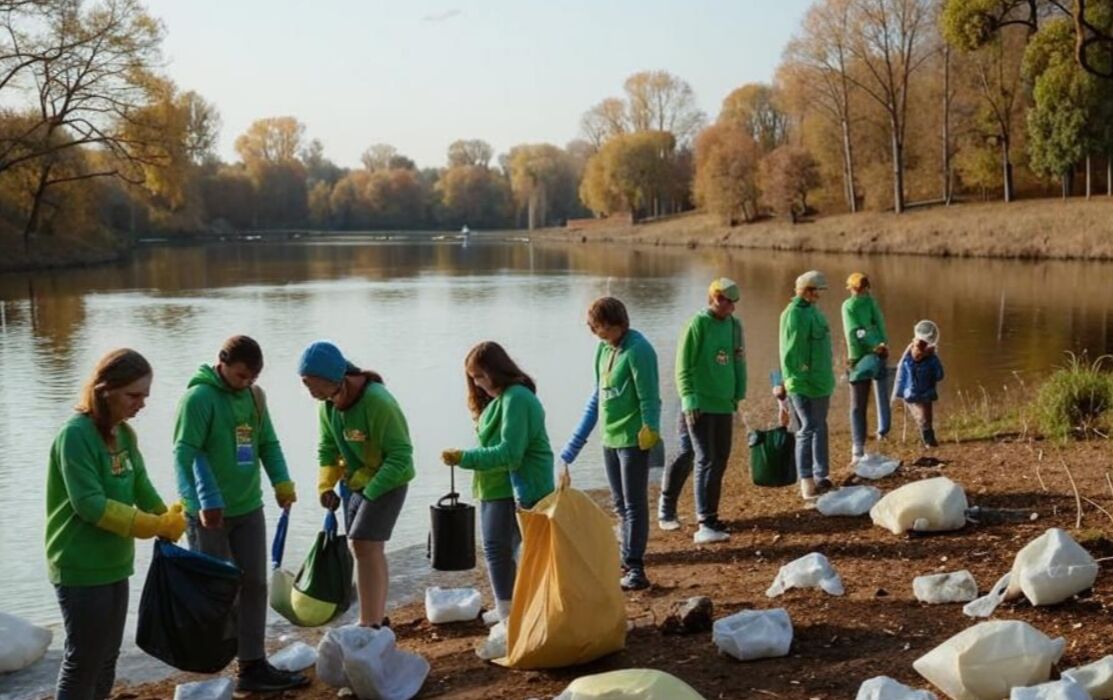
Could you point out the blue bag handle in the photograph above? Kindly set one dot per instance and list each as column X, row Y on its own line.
column 278, row 546
column 331, row 525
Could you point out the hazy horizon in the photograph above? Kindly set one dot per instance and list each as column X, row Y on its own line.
column 423, row 75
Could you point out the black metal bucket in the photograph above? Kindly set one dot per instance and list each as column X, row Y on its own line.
column 452, row 534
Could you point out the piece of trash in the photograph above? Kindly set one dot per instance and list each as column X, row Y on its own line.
column 754, row 634
column 809, row 571
column 954, row 587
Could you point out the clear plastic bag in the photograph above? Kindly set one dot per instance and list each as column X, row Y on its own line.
column 885, row 688
column 371, row 664
column 214, row 689
column 809, row 571
column 295, row 657
column 754, row 634
column 954, row 587
column 1096, row 678
column 21, row 643
column 1056, row 690
column 444, row 605
column 849, row 500
column 930, row 505
column 875, row 466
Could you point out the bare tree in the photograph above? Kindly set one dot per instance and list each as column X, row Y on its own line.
column 660, row 101
column 470, row 152
column 604, row 120
column 890, row 41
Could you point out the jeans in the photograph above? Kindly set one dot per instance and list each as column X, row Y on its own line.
column 811, row 439
column 707, row 442
column 94, row 620
column 501, row 538
column 628, row 473
column 242, row 540
column 859, row 401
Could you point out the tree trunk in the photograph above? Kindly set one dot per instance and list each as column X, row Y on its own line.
column 1109, row 175
column 1089, row 177
column 848, row 167
column 1066, row 185
column 898, row 171
column 1007, row 169
column 32, row 225
column 947, row 125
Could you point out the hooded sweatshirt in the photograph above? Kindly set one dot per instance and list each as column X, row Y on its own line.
column 84, row 481
column 711, row 364
column 220, row 439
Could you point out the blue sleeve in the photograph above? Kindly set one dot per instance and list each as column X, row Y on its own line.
column 938, row 369
column 196, row 483
column 580, row 435
column 902, row 377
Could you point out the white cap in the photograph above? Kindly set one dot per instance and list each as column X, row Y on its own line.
column 813, row 279
column 926, row 331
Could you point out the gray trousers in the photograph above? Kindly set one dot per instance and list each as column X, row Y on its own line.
column 243, row 541
column 707, row 443
column 501, row 538
column 859, row 400
column 94, row 619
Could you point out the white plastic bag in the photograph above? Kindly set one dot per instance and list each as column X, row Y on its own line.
column 372, row 664
column 809, row 571
column 21, row 643
column 875, row 466
column 494, row 646
column 931, row 505
column 954, row 587
column 629, row 684
column 986, row 661
column 1048, row 570
column 849, row 500
column 451, row 604
column 885, row 688
column 1056, row 690
column 296, row 657
column 1096, row 678
column 754, row 634
column 215, row 689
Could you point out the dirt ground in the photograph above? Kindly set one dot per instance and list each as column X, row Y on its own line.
column 876, row 628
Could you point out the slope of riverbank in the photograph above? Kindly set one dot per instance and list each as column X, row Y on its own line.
column 51, row 252
column 1034, row 229
column 876, row 628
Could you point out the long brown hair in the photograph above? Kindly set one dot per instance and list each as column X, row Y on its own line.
column 116, row 369
column 491, row 358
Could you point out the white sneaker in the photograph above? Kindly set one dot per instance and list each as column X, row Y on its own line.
column 491, row 617
column 673, row 524
column 707, row 535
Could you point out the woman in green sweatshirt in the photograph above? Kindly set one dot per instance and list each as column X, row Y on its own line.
column 867, row 349
column 365, row 442
column 98, row 500
column 513, row 462
column 222, row 435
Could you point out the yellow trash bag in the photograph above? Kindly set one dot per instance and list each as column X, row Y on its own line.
column 630, row 684
column 568, row 607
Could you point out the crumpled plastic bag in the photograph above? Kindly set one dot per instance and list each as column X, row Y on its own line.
column 875, row 466
column 21, row 643
column 1096, row 678
column 885, row 688
column 494, row 646
column 1047, row 570
column 213, row 689
column 849, row 500
column 930, row 505
column 986, row 661
column 809, row 571
column 369, row 662
column 953, row 587
column 295, row 657
column 451, row 604
column 629, row 684
column 1056, row 690
column 754, row 634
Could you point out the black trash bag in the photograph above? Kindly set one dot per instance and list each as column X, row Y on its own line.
column 323, row 587
column 186, row 614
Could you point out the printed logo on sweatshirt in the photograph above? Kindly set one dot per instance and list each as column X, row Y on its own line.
column 121, row 463
column 721, row 357
column 245, row 446
column 355, row 435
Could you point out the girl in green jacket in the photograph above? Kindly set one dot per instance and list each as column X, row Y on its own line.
column 514, row 461
column 364, row 441
column 98, row 501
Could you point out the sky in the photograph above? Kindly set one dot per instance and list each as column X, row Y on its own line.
column 419, row 75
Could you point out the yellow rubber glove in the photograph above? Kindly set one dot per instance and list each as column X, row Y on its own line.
column 452, row 457
column 647, row 438
column 285, row 494
column 328, row 477
column 170, row 525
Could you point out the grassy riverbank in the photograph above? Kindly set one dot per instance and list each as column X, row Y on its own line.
column 1035, row 229
column 51, row 252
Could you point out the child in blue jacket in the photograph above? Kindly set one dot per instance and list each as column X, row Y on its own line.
column 917, row 375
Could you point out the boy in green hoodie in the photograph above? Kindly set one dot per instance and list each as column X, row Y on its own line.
column 711, row 380
column 222, row 435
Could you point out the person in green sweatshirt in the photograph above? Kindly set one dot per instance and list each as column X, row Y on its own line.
column 627, row 397
column 711, row 380
column 99, row 499
column 809, row 377
column 365, row 442
column 222, row 435
column 867, row 349
column 513, row 463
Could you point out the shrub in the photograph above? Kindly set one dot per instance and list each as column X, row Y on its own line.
column 1077, row 399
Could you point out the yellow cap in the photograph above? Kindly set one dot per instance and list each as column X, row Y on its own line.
column 724, row 287
column 857, row 280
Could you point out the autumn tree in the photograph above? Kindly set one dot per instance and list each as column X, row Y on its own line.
column 787, row 175
column 629, row 173
column 604, row 120
column 271, row 141
column 755, row 109
column 726, row 165
column 660, row 101
column 542, row 180
column 475, row 196
column 470, row 152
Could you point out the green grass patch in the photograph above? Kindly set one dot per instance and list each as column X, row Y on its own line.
column 1076, row 401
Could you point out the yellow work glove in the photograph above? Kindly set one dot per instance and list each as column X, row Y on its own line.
column 647, row 438
column 285, row 494
column 452, row 457
column 328, row 477
column 169, row 526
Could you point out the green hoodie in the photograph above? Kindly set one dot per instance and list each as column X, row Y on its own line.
column 219, row 441
column 863, row 325
column 514, row 449
column 629, row 391
column 372, row 438
column 711, row 364
column 805, row 340
column 82, row 481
